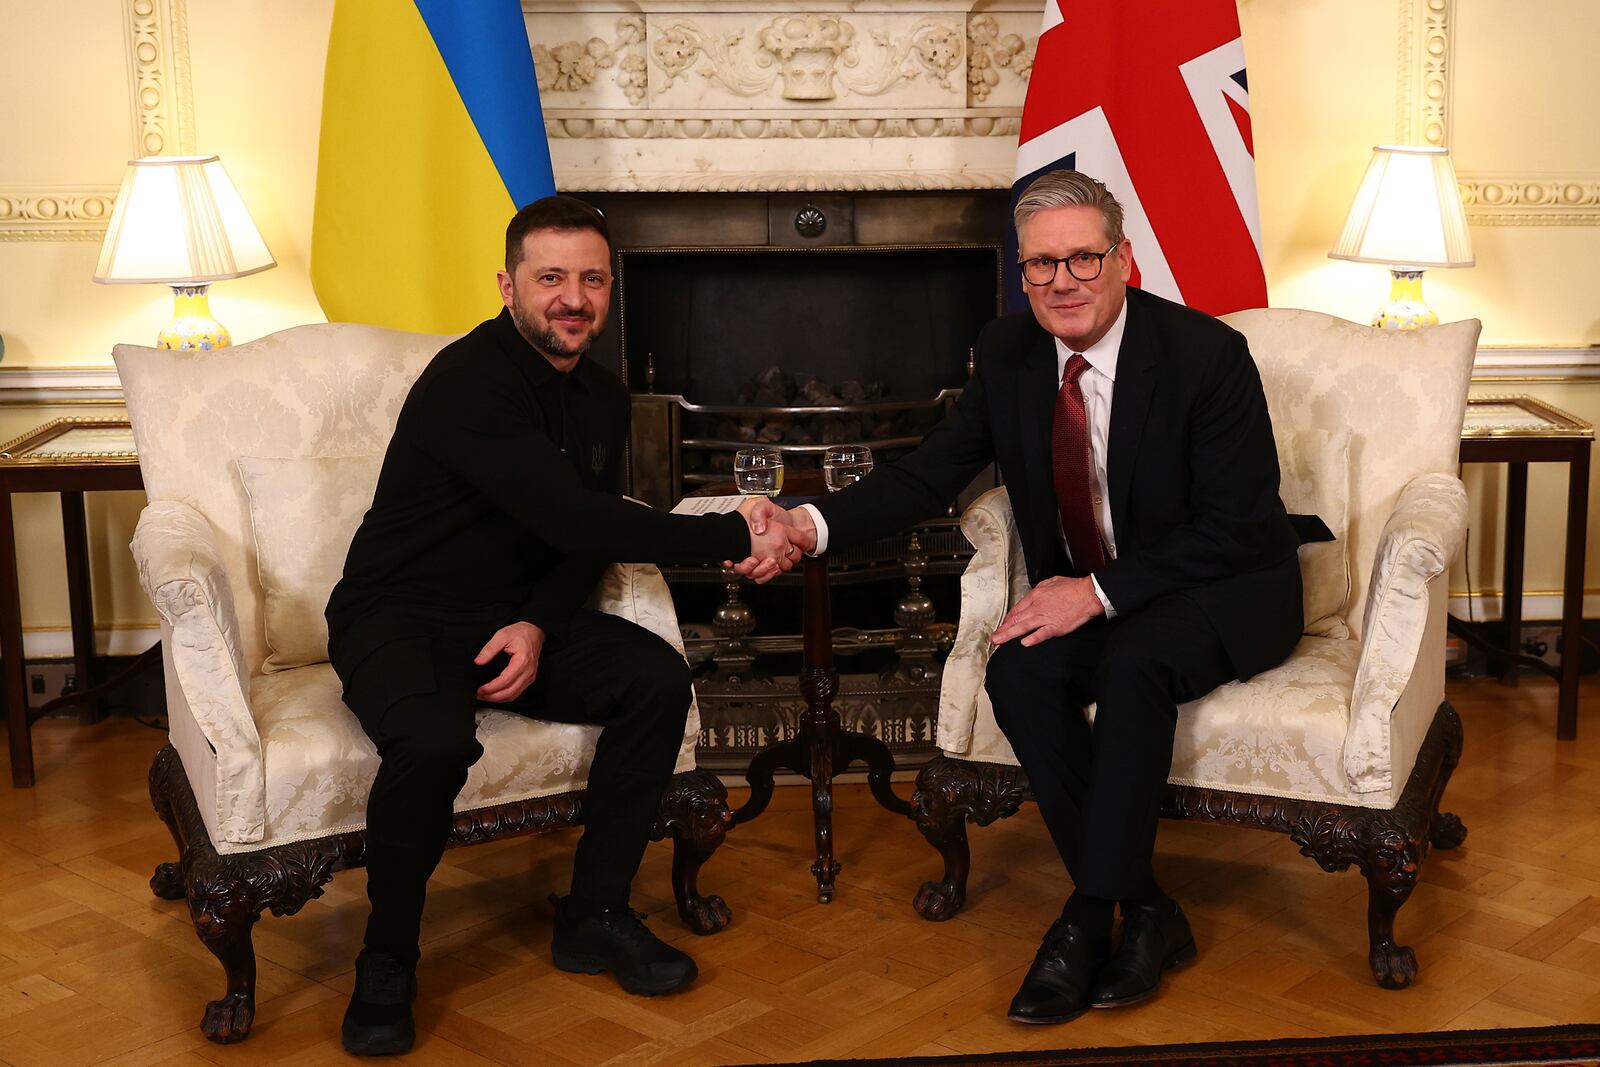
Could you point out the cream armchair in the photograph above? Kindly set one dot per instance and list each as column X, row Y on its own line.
column 1346, row 746
column 259, row 462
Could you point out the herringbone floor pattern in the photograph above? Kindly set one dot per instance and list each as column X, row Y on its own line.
column 93, row 969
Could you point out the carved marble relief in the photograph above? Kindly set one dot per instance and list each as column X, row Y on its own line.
column 723, row 60
column 569, row 66
column 995, row 57
column 891, row 94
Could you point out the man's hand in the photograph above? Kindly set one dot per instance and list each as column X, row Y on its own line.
column 1053, row 608
column 790, row 534
column 523, row 642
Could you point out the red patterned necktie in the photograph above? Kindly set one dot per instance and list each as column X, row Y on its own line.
column 1073, row 467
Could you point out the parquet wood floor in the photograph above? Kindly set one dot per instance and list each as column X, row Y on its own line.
column 94, row 969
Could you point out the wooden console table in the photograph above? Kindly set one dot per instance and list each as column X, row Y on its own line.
column 69, row 456
column 821, row 747
column 1516, row 431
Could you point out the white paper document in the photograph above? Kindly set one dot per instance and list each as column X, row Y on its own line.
column 707, row 505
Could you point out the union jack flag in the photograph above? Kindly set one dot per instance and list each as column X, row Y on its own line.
column 1150, row 97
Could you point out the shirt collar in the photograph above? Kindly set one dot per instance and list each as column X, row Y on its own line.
column 529, row 360
column 1102, row 355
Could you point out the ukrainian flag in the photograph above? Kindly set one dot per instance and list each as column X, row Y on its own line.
column 432, row 137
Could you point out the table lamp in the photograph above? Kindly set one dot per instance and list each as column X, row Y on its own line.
column 180, row 221
column 1408, row 215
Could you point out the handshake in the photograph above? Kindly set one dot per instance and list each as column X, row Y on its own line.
column 778, row 539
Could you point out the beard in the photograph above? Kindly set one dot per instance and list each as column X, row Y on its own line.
column 547, row 340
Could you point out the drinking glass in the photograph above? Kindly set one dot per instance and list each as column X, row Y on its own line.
column 844, row 465
column 758, row 471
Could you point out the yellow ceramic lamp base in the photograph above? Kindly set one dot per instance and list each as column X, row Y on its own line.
column 1405, row 309
column 192, row 328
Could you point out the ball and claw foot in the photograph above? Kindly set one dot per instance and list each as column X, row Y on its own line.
column 228, row 1020
column 1447, row 832
column 167, row 882
column 707, row 915
column 1394, row 966
column 938, row 901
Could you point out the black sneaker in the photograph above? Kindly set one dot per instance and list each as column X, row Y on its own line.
column 378, row 1021
column 617, row 940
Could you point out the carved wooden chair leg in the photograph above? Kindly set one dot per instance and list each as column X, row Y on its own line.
column 224, row 911
column 1447, row 831
column 167, row 881
column 948, row 794
column 1390, row 864
column 694, row 810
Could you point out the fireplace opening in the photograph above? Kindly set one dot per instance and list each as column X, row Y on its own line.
column 793, row 348
column 733, row 326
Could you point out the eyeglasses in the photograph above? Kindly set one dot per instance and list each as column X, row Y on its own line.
column 1084, row 266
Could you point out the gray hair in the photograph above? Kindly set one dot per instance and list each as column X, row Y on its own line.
column 1069, row 188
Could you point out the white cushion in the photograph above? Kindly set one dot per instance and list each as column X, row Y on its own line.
column 303, row 513
column 320, row 763
column 1280, row 734
column 1315, row 480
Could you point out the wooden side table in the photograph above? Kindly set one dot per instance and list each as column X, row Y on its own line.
column 69, row 456
column 1518, row 430
column 821, row 747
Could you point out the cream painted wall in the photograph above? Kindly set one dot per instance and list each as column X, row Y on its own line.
column 1525, row 98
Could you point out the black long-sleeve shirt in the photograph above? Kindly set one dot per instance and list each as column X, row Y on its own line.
column 500, row 499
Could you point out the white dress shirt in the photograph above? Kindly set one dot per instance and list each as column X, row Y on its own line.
column 1097, row 384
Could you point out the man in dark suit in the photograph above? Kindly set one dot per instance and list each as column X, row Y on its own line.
column 498, row 507
column 1134, row 437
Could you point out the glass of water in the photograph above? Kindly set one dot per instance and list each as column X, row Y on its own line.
column 758, row 471
column 844, row 465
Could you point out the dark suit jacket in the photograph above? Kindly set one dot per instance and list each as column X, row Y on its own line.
column 1191, row 465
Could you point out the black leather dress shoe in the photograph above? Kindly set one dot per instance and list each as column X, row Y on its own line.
column 1060, row 982
column 1153, row 940
column 617, row 940
column 378, row 1021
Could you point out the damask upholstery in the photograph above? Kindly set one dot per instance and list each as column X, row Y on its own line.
column 1314, row 479
column 303, row 515
column 259, row 461
column 1343, row 718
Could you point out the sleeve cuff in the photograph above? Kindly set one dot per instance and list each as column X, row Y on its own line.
column 1105, row 601
column 822, row 530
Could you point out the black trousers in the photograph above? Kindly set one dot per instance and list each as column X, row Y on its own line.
column 1099, row 790
column 415, row 697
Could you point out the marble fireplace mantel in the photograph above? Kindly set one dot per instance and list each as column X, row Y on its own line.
column 780, row 96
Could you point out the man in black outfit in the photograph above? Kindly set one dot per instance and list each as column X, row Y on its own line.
column 1134, row 437
column 497, row 509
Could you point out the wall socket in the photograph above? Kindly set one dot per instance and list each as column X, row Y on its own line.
column 48, row 680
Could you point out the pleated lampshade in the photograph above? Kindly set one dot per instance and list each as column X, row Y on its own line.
column 1407, row 212
column 179, row 220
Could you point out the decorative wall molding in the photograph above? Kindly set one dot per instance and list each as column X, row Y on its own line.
column 1425, row 67
column 55, row 214
column 1424, row 115
column 1531, row 200
column 161, row 100
column 1563, row 364
column 159, row 79
column 57, row 385
column 811, row 181
column 66, row 384
column 559, row 124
